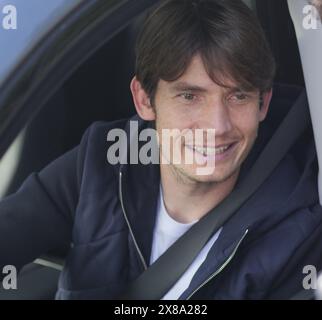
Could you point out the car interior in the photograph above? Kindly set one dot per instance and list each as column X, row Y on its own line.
column 99, row 91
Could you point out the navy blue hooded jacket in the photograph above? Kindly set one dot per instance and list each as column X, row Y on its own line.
column 107, row 212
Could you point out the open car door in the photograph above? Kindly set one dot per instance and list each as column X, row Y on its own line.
column 307, row 19
column 307, row 22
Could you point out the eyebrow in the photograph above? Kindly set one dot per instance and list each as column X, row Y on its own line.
column 184, row 86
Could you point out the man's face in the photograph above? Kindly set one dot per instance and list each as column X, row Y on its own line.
column 193, row 102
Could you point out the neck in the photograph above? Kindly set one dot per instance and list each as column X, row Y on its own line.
column 187, row 201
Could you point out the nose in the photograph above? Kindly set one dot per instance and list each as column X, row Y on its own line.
column 219, row 118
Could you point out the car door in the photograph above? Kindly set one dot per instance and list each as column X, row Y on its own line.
column 70, row 67
column 307, row 17
column 52, row 45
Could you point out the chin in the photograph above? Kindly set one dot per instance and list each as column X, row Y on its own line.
column 212, row 178
column 215, row 177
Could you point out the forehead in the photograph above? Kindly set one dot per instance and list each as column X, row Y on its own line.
column 197, row 77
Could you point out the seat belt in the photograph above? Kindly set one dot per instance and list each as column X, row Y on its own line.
column 160, row 277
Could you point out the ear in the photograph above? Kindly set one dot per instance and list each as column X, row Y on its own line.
column 141, row 101
column 267, row 97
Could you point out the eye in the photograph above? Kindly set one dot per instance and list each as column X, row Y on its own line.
column 239, row 98
column 188, row 96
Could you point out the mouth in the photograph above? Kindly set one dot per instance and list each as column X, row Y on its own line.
column 212, row 151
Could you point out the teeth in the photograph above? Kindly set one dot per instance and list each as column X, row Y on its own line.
column 210, row 151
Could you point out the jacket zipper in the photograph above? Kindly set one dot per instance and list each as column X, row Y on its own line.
column 128, row 223
column 222, row 267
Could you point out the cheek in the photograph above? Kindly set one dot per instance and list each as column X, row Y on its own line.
column 173, row 118
column 179, row 127
column 247, row 123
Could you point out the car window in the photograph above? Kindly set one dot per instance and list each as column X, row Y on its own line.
column 34, row 19
column 53, row 131
column 9, row 164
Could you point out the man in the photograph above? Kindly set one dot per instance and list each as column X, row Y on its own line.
column 201, row 65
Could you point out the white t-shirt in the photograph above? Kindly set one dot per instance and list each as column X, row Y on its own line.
column 166, row 232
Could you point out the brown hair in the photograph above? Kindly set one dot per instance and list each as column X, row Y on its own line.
column 226, row 33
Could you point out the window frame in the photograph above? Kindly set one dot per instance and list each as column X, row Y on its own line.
column 42, row 72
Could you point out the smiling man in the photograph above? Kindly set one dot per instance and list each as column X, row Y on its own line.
column 196, row 101
column 213, row 78
column 202, row 65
